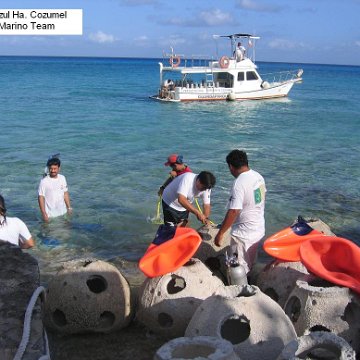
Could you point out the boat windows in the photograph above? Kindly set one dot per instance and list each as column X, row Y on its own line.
column 241, row 76
column 224, row 79
column 251, row 75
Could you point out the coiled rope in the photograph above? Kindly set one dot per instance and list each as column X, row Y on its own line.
column 27, row 324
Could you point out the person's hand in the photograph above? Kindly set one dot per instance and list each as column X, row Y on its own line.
column 201, row 217
column 45, row 217
column 173, row 173
column 218, row 239
column 69, row 210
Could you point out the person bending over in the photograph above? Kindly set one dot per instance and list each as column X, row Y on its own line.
column 179, row 195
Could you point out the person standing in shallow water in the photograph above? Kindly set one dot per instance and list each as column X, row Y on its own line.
column 14, row 230
column 53, row 194
column 245, row 210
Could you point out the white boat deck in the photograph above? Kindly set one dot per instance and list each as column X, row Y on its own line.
column 226, row 78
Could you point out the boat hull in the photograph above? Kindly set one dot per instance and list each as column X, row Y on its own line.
column 216, row 94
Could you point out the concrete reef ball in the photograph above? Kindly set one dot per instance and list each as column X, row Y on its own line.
column 278, row 279
column 88, row 296
column 167, row 303
column 317, row 305
column 318, row 345
column 254, row 323
column 197, row 348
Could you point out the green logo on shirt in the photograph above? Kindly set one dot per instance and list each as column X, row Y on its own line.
column 257, row 196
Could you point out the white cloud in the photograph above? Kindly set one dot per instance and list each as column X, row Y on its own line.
column 257, row 6
column 101, row 37
column 142, row 38
column 212, row 17
column 172, row 21
column 173, row 40
column 282, row 44
column 138, row 2
column 216, row 17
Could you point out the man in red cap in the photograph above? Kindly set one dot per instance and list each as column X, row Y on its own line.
column 178, row 167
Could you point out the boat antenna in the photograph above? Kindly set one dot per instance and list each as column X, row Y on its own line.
column 215, row 37
column 233, row 44
column 252, row 43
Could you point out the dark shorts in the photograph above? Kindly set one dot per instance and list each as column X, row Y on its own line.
column 173, row 216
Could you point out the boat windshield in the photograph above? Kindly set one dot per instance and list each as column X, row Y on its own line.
column 224, row 79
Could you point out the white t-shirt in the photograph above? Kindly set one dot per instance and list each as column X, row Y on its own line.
column 184, row 184
column 248, row 196
column 14, row 230
column 53, row 190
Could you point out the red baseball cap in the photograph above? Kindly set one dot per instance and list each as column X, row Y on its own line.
column 174, row 159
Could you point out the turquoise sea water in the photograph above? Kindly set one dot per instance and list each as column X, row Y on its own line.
column 114, row 140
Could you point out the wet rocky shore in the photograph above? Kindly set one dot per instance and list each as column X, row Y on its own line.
column 20, row 277
column 110, row 310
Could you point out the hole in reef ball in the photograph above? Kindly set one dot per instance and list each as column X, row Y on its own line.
column 236, row 330
column 293, row 308
column 197, row 351
column 176, row 284
column 272, row 293
column 165, row 320
column 319, row 328
column 59, row 318
column 96, row 284
column 107, row 319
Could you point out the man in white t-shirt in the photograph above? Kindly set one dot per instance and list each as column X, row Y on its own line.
column 179, row 195
column 13, row 230
column 245, row 210
column 240, row 52
column 53, row 195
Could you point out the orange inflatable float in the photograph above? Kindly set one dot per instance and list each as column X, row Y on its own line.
column 171, row 248
column 285, row 244
column 334, row 259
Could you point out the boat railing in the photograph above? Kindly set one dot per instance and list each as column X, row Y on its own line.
column 198, row 61
column 192, row 61
column 281, row 76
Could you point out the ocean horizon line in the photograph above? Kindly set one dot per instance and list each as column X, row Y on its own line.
column 157, row 59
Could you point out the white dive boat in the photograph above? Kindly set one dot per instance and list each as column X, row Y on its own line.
column 232, row 77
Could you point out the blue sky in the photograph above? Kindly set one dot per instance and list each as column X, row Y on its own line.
column 308, row 31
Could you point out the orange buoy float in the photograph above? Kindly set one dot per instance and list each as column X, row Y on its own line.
column 334, row 259
column 174, row 60
column 171, row 248
column 285, row 244
column 224, row 62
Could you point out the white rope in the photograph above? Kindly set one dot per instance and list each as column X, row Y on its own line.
column 26, row 331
